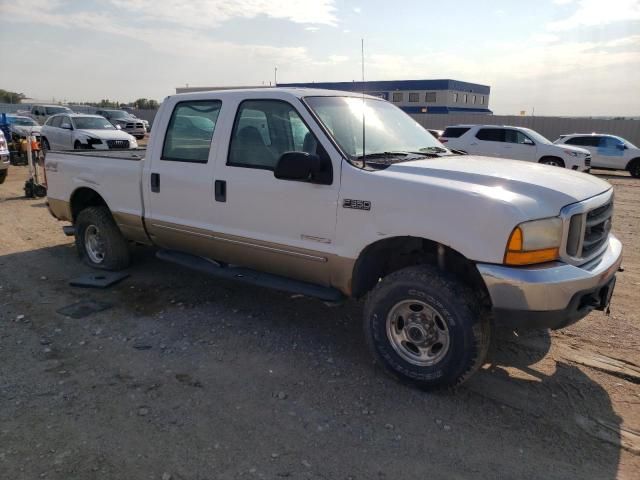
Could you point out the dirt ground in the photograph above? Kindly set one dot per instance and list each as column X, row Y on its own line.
column 188, row 377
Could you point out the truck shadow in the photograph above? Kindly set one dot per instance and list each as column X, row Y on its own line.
column 558, row 407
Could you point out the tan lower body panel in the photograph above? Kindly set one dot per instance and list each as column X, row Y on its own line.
column 131, row 227
column 306, row 265
column 60, row 209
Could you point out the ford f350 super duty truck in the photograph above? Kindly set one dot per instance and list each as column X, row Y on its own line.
column 285, row 188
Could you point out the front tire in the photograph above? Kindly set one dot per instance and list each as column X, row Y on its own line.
column 99, row 241
column 426, row 328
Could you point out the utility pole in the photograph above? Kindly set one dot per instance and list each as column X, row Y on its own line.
column 275, row 77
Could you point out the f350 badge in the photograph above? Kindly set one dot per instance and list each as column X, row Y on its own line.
column 356, row 204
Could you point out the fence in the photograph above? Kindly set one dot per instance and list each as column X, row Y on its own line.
column 550, row 127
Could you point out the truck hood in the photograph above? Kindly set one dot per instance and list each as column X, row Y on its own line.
column 105, row 134
column 537, row 190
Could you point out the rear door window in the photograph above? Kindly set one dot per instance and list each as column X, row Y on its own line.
column 190, row 131
column 455, row 132
column 56, row 121
column 590, row 141
column 491, row 134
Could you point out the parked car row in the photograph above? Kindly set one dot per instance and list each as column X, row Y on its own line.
column 80, row 131
column 576, row 151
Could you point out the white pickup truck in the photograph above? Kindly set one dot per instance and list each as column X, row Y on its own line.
column 285, row 188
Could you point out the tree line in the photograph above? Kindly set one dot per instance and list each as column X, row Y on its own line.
column 7, row 96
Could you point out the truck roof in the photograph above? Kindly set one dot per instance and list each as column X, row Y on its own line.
column 274, row 92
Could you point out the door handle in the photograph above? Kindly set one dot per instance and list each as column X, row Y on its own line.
column 220, row 188
column 155, row 182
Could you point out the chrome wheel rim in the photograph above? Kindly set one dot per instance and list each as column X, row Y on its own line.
column 93, row 244
column 418, row 333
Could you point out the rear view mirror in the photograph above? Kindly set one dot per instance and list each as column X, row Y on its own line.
column 66, row 126
column 297, row 166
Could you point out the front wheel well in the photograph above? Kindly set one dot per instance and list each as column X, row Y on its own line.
column 632, row 163
column 551, row 158
column 392, row 254
column 85, row 197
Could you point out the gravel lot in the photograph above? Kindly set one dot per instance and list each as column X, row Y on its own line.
column 187, row 377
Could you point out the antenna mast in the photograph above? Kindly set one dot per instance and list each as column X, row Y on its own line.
column 363, row 104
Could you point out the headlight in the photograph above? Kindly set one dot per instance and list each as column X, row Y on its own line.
column 571, row 153
column 532, row 242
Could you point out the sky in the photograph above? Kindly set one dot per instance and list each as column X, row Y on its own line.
column 551, row 57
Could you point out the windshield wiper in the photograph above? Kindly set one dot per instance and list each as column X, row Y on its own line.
column 433, row 149
column 383, row 155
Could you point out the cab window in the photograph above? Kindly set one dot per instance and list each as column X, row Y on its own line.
column 190, row 131
column 265, row 129
column 491, row 134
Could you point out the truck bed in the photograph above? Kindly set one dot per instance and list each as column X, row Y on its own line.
column 118, row 182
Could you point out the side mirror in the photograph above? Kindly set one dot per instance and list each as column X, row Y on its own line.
column 621, row 146
column 118, row 126
column 528, row 141
column 297, row 166
column 66, row 126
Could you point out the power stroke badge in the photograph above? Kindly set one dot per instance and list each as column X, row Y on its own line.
column 356, row 204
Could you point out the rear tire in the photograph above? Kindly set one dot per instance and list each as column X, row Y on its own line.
column 634, row 168
column 99, row 241
column 3, row 176
column 45, row 144
column 426, row 328
column 553, row 161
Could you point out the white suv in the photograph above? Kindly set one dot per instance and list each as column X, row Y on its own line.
column 607, row 151
column 516, row 143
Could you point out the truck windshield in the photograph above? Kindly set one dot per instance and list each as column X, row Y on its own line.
column 92, row 123
column 387, row 128
column 118, row 114
column 54, row 110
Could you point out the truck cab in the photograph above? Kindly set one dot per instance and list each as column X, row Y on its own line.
column 337, row 195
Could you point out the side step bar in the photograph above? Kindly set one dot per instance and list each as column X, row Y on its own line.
column 252, row 277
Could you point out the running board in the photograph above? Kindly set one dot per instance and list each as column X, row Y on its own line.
column 252, row 277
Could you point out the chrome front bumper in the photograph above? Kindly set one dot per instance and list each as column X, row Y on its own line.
column 552, row 295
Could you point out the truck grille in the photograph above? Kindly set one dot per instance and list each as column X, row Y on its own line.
column 587, row 161
column 134, row 125
column 589, row 231
column 118, row 144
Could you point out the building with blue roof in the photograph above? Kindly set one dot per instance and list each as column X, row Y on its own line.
column 418, row 96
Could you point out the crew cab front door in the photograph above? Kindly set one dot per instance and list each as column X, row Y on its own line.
column 280, row 226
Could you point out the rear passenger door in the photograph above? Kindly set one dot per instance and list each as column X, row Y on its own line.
column 178, row 177
column 489, row 142
column 279, row 226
